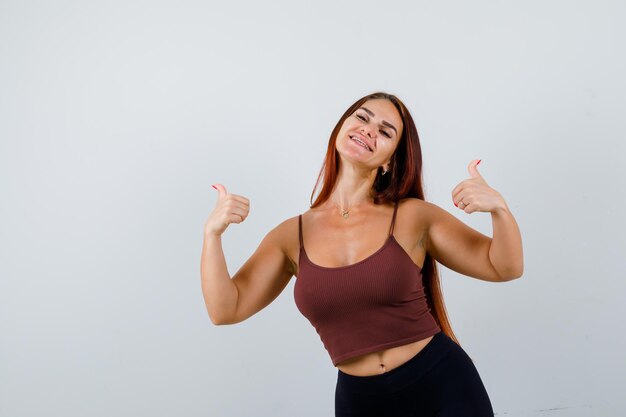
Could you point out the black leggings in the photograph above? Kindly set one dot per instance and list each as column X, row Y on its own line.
column 440, row 380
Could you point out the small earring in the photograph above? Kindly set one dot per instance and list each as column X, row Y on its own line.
column 384, row 171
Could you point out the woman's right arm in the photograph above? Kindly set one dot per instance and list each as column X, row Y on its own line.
column 261, row 278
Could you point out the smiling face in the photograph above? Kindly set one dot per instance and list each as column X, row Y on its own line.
column 370, row 135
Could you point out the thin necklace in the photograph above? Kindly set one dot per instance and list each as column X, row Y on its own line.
column 345, row 213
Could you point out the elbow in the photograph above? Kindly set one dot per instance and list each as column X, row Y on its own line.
column 222, row 321
column 519, row 272
column 512, row 274
column 217, row 319
column 219, row 322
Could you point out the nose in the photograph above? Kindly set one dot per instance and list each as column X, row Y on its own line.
column 366, row 130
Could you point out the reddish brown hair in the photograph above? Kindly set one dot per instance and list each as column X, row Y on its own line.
column 403, row 180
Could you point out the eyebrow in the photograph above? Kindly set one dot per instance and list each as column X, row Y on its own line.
column 383, row 122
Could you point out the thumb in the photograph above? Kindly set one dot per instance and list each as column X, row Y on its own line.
column 473, row 171
column 220, row 189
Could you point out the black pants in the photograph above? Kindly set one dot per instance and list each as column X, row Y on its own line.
column 440, row 380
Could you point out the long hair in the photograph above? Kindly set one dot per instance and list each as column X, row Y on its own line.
column 403, row 180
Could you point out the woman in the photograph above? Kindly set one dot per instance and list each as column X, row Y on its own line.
column 370, row 289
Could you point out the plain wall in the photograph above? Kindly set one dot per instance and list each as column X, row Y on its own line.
column 116, row 117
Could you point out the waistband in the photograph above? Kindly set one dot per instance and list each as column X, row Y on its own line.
column 403, row 375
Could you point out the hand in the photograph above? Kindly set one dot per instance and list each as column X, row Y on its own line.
column 229, row 208
column 474, row 194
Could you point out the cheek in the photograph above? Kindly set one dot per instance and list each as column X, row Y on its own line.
column 344, row 131
column 349, row 124
column 390, row 148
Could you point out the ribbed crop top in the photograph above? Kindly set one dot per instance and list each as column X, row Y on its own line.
column 371, row 305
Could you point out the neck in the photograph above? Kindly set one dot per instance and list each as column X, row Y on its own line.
column 353, row 188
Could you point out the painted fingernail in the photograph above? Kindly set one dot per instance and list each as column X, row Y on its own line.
column 456, row 204
column 213, row 186
column 478, row 161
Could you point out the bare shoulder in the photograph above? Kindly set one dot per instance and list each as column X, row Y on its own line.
column 285, row 236
column 413, row 203
column 426, row 210
column 411, row 225
column 413, row 212
column 410, row 203
column 433, row 218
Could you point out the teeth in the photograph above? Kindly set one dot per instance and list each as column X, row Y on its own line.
column 361, row 142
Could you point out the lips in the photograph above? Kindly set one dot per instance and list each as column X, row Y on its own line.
column 360, row 139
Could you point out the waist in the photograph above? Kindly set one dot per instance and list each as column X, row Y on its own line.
column 382, row 361
column 427, row 353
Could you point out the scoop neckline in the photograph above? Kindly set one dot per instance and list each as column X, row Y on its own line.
column 337, row 268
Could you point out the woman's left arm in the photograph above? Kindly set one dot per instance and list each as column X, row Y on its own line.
column 505, row 251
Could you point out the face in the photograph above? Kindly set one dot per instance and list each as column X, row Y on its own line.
column 370, row 135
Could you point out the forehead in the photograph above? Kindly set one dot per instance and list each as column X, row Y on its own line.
column 384, row 109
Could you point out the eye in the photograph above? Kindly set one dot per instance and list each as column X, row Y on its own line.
column 365, row 120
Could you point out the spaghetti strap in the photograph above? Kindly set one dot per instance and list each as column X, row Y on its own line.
column 393, row 219
column 300, row 230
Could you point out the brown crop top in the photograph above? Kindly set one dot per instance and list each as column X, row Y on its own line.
column 371, row 305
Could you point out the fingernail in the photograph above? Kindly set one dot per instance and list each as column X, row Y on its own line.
column 213, row 186
column 455, row 204
column 478, row 161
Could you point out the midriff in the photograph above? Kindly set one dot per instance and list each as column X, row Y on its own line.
column 382, row 361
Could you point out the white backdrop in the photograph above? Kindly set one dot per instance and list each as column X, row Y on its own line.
column 116, row 117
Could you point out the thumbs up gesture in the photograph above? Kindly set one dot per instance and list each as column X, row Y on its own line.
column 473, row 194
column 229, row 208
